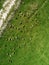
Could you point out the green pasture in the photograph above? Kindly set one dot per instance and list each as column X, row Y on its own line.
column 25, row 41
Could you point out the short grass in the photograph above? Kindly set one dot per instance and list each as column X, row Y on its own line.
column 26, row 38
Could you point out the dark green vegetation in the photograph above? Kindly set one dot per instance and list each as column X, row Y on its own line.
column 26, row 38
column 1, row 3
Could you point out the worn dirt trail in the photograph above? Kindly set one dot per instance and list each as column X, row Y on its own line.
column 7, row 6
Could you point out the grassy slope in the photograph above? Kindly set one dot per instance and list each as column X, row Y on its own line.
column 27, row 36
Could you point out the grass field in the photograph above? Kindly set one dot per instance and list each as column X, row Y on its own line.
column 25, row 41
